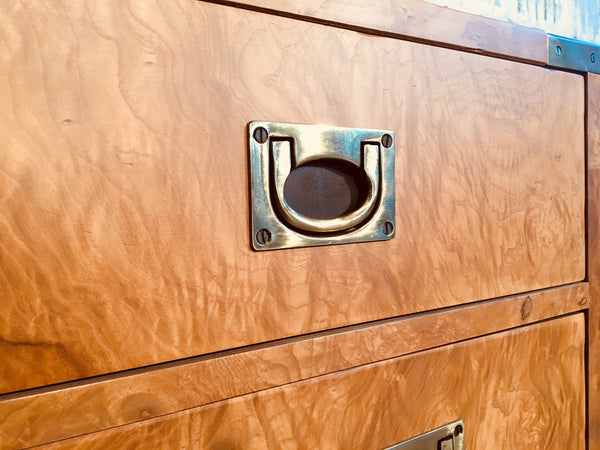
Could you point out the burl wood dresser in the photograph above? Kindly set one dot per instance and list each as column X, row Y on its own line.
column 135, row 311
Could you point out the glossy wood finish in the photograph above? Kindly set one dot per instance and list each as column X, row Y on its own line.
column 593, row 129
column 99, row 404
column 522, row 389
column 416, row 19
column 123, row 181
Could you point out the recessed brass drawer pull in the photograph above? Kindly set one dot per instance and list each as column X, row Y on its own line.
column 317, row 185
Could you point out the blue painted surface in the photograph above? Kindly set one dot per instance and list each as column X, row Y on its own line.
column 578, row 19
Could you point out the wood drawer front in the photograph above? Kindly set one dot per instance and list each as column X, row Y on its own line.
column 124, row 195
column 520, row 389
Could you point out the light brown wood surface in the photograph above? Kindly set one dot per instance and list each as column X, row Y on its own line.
column 76, row 409
column 593, row 129
column 416, row 19
column 124, row 196
column 523, row 389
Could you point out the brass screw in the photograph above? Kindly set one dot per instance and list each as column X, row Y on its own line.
column 387, row 140
column 263, row 236
column 261, row 135
column 558, row 50
column 388, row 228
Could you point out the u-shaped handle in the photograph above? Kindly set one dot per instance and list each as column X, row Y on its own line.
column 282, row 165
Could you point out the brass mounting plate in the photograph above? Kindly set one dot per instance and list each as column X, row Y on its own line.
column 271, row 230
column 573, row 54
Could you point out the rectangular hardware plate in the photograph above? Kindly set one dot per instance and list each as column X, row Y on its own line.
column 309, row 143
column 573, row 54
column 448, row 437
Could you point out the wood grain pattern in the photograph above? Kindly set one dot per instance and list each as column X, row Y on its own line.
column 593, row 130
column 420, row 20
column 101, row 404
column 522, row 389
column 123, row 181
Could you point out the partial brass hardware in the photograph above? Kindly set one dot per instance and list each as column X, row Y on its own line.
column 277, row 149
column 448, row 437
